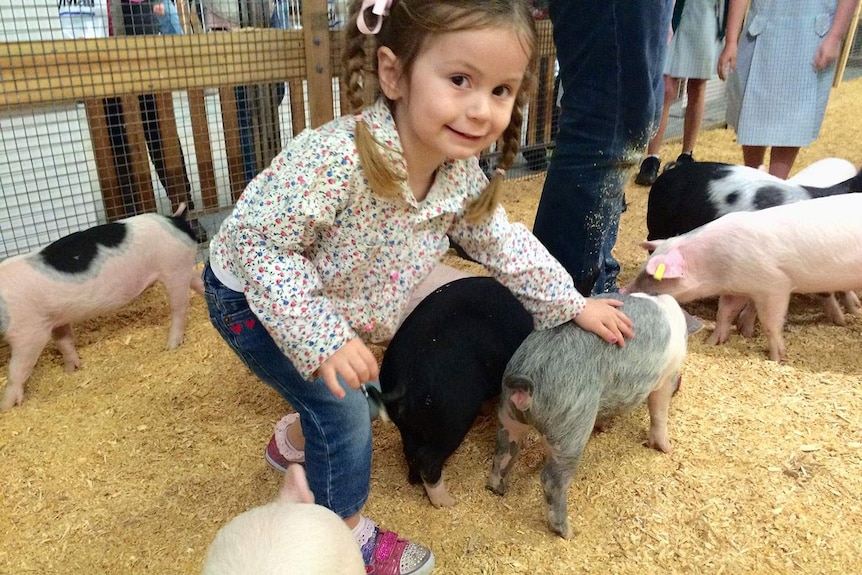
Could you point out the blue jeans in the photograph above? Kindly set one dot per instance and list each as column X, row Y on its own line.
column 170, row 22
column 611, row 55
column 337, row 431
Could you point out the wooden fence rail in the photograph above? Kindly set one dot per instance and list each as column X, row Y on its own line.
column 122, row 68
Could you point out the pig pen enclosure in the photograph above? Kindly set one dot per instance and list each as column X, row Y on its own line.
column 132, row 463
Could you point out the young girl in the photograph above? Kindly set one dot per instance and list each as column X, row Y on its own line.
column 325, row 247
column 779, row 71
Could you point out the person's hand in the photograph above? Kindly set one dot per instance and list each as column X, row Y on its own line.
column 727, row 62
column 159, row 8
column 827, row 53
column 602, row 317
column 354, row 362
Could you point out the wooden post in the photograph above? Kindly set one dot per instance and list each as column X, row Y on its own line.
column 175, row 171
column 203, row 149
column 297, row 105
column 315, row 26
column 102, row 150
column 846, row 48
column 139, row 159
column 232, row 141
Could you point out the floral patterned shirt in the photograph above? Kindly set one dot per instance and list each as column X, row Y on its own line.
column 322, row 259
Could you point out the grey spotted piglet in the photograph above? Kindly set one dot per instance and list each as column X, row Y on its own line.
column 86, row 274
column 566, row 381
column 288, row 536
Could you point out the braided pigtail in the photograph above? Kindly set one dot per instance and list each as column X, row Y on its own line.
column 359, row 78
column 488, row 200
column 355, row 65
column 510, row 143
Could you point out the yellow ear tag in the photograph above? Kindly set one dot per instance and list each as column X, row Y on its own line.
column 659, row 272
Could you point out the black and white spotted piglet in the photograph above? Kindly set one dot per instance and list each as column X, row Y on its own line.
column 86, row 274
column 691, row 195
column 444, row 362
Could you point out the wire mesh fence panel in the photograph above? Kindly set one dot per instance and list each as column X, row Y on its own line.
column 110, row 108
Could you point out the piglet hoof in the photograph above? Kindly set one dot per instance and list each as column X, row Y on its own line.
column 746, row 322
column 717, row 337
column 660, row 443
column 777, row 351
column 72, row 365
column 832, row 310
column 852, row 303
column 11, row 398
column 439, row 495
column 562, row 529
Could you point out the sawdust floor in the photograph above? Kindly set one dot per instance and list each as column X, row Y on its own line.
column 131, row 464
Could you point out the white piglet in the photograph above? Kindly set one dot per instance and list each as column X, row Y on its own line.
column 804, row 247
column 86, row 274
column 288, row 536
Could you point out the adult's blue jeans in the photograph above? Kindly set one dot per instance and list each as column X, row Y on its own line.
column 337, row 431
column 611, row 55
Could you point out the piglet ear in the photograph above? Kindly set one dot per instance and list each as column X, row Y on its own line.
column 651, row 245
column 294, row 488
column 522, row 391
column 669, row 265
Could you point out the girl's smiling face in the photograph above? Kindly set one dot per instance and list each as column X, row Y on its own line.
column 458, row 99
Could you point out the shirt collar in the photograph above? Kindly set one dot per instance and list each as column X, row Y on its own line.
column 445, row 193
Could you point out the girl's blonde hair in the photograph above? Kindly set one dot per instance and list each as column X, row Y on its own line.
column 406, row 30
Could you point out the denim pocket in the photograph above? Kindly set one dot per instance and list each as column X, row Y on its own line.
column 229, row 310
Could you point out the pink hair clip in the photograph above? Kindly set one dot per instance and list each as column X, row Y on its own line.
column 378, row 7
column 501, row 171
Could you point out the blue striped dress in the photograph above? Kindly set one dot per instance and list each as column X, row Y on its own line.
column 775, row 97
column 695, row 46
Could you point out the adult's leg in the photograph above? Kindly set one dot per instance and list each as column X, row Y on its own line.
column 781, row 160
column 176, row 185
column 121, row 153
column 611, row 57
column 752, row 156
column 671, row 88
column 696, row 91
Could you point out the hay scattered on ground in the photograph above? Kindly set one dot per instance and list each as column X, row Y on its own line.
column 131, row 464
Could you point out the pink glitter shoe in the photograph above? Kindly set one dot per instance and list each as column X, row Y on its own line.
column 279, row 452
column 387, row 554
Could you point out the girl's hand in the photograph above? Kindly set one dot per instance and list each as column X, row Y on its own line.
column 827, row 53
column 602, row 317
column 354, row 362
column 727, row 61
